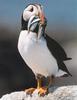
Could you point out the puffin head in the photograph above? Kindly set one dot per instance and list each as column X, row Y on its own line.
column 32, row 17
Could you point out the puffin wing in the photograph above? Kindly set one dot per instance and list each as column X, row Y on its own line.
column 58, row 52
column 56, row 49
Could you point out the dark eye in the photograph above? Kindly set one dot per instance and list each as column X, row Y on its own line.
column 31, row 10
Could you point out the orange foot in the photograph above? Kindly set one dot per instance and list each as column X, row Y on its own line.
column 42, row 91
column 30, row 91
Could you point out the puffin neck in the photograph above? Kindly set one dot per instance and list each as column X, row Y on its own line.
column 24, row 24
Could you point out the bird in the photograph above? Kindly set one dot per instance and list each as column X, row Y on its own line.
column 42, row 54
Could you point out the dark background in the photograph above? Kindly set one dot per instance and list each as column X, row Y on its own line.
column 62, row 23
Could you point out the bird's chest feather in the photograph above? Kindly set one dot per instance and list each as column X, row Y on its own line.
column 34, row 49
column 37, row 55
column 30, row 47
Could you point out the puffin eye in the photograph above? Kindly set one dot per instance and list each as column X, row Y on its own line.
column 31, row 10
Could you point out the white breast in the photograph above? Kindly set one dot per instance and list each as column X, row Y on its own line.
column 36, row 54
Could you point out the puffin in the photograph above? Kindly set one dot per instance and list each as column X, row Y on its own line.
column 42, row 54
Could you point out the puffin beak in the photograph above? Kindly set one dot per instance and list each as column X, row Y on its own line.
column 32, row 20
column 42, row 23
column 42, row 18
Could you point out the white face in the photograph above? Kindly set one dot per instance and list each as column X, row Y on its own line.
column 31, row 10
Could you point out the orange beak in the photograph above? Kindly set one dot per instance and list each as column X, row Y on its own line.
column 42, row 18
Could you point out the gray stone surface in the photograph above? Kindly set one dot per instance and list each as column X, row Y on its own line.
column 55, row 93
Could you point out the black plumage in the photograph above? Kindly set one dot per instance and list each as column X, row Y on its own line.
column 58, row 52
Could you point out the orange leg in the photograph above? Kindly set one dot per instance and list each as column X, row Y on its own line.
column 44, row 90
column 41, row 90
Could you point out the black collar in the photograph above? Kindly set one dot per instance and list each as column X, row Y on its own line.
column 23, row 24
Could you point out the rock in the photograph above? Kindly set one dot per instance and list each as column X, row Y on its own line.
column 55, row 93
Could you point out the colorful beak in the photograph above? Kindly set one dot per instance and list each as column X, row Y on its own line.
column 42, row 17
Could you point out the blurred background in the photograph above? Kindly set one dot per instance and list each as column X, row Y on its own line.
column 62, row 26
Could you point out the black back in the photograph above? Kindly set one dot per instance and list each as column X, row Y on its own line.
column 56, row 49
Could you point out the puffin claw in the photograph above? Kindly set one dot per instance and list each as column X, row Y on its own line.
column 30, row 91
column 43, row 91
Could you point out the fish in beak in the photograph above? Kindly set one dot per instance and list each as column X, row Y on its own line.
column 33, row 21
column 37, row 19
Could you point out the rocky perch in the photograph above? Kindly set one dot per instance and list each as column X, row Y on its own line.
column 55, row 93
